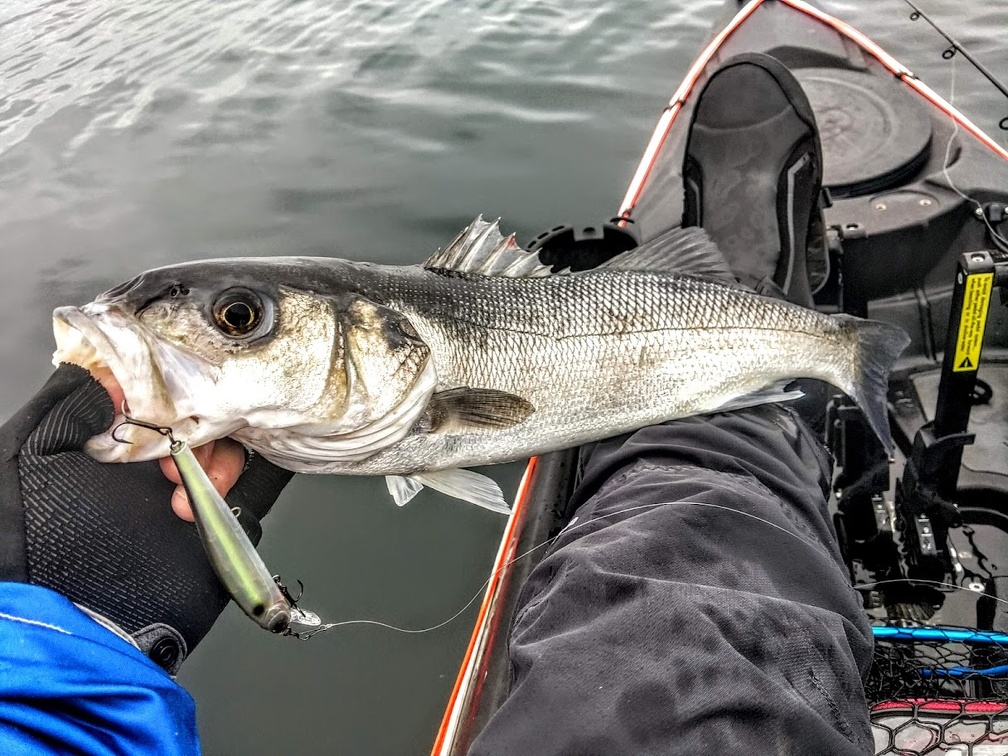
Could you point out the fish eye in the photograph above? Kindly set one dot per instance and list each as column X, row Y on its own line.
column 239, row 313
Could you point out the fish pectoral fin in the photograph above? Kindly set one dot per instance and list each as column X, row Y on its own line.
column 771, row 394
column 477, row 408
column 687, row 251
column 402, row 489
column 466, row 485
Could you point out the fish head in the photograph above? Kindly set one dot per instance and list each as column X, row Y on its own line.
column 262, row 350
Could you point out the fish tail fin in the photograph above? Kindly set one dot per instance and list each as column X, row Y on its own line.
column 878, row 345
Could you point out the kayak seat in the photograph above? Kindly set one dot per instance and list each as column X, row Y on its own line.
column 753, row 177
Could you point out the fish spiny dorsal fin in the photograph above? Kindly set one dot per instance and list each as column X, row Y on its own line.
column 686, row 251
column 481, row 250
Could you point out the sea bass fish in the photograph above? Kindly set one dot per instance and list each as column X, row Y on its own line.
column 481, row 355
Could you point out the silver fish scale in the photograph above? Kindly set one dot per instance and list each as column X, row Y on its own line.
column 599, row 353
column 610, row 303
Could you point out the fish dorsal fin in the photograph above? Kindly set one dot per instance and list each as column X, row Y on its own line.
column 481, row 250
column 687, row 251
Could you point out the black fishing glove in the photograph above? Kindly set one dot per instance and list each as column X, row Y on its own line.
column 104, row 535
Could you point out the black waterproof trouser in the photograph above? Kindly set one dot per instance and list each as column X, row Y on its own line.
column 696, row 604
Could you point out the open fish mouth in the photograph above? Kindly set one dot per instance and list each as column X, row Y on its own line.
column 83, row 343
column 98, row 337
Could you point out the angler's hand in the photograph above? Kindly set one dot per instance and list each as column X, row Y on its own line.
column 100, row 533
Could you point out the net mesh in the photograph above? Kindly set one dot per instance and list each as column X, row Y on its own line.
column 955, row 728
column 942, row 692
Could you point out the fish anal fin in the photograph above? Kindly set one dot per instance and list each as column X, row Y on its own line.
column 772, row 394
column 477, row 408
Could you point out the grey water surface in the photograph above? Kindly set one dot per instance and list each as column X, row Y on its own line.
column 135, row 133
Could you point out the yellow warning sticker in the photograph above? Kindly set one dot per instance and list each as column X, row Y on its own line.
column 973, row 321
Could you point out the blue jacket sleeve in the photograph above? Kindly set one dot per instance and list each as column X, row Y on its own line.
column 68, row 685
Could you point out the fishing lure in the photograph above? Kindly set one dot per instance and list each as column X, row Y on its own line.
column 234, row 559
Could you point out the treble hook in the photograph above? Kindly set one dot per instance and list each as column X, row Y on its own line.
column 164, row 430
column 292, row 600
column 286, row 591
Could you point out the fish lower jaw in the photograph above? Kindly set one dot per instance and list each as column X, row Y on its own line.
column 105, row 448
column 126, row 442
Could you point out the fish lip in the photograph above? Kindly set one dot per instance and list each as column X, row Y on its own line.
column 82, row 338
column 71, row 323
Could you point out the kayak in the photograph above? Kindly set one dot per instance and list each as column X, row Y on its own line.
column 914, row 205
